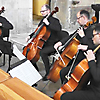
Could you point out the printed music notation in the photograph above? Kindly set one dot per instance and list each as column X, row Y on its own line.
column 25, row 71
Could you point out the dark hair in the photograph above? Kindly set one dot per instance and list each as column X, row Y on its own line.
column 86, row 13
column 47, row 6
column 97, row 27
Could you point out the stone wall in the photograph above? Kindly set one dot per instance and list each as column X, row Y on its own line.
column 68, row 11
column 19, row 13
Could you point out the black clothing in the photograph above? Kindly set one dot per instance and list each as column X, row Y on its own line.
column 0, row 54
column 91, row 91
column 55, row 35
column 5, row 46
column 6, row 26
column 54, row 28
column 86, row 40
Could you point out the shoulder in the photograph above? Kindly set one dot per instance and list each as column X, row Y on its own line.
column 54, row 18
column 2, row 18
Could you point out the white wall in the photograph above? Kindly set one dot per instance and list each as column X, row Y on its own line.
column 19, row 13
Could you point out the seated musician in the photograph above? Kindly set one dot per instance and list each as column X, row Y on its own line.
column 53, row 25
column 84, row 34
column 92, row 90
column 5, row 26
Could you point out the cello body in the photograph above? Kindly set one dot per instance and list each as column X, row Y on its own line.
column 36, row 45
column 79, row 78
column 66, row 55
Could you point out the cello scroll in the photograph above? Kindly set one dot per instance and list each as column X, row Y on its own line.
column 2, row 10
column 94, row 20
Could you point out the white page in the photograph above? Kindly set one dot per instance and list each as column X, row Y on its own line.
column 18, row 53
column 26, row 72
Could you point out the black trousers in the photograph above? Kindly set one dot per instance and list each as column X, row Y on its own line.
column 44, row 53
column 63, row 73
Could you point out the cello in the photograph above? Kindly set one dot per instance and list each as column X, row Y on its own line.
column 68, row 53
column 35, row 44
column 1, row 11
column 79, row 78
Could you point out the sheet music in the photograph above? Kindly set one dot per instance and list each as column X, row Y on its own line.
column 26, row 72
column 18, row 53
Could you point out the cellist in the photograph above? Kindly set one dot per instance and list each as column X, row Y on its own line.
column 53, row 25
column 5, row 26
column 84, row 35
column 92, row 90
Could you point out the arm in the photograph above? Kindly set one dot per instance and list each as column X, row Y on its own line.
column 94, row 70
column 55, row 25
column 61, row 42
column 86, row 37
column 94, row 64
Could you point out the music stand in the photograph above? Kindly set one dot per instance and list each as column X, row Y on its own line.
column 96, row 8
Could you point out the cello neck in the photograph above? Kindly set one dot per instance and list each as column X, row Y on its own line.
column 54, row 11
column 50, row 14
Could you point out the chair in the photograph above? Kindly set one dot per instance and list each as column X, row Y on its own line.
column 4, row 54
column 6, row 38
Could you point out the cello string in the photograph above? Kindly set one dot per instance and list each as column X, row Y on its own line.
column 60, row 57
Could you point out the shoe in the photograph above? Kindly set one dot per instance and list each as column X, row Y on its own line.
column 35, row 85
column 44, row 78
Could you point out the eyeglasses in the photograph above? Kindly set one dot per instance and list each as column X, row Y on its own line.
column 79, row 17
column 43, row 11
